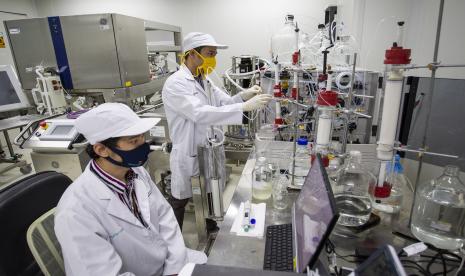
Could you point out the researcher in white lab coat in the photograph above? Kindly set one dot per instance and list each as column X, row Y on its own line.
column 113, row 220
column 193, row 104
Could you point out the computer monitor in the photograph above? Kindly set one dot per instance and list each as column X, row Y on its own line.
column 314, row 217
column 12, row 96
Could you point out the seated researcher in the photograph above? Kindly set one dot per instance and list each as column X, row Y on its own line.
column 113, row 220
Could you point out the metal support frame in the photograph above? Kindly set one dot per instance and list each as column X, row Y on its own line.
column 199, row 196
column 431, row 92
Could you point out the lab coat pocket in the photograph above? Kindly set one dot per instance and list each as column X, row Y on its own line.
column 183, row 167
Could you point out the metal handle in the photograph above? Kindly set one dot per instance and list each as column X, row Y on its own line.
column 29, row 129
column 80, row 145
column 150, row 108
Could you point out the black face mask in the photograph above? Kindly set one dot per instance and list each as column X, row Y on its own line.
column 131, row 158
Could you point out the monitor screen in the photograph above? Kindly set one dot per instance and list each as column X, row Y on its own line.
column 8, row 93
column 62, row 130
column 314, row 216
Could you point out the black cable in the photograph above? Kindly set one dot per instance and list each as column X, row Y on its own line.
column 444, row 268
column 419, row 268
column 430, row 263
column 448, row 271
column 411, row 267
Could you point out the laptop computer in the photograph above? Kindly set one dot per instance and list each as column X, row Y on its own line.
column 293, row 247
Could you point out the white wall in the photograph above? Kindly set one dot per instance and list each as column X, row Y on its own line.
column 245, row 25
column 17, row 6
column 379, row 31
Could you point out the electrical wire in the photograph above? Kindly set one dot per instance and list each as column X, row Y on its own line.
column 460, row 267
column 417, row 266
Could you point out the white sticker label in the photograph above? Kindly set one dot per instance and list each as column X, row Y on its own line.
column 14, row 31
column 104, row 27
column 157, row 131
column 415, row 248
column 196, row 191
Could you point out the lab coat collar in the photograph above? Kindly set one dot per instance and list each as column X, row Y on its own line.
column 115, row 207
column 142, row 195
column 187, row 72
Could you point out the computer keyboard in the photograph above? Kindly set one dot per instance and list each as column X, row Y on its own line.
column 278, row 248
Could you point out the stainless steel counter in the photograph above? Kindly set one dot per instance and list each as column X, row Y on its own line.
column 232, row 250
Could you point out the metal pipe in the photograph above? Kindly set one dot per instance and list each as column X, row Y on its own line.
column 431, row 91
column 147, row 109
column 426, row 152
column 296, row 129
column 15, row 13
column 349, row 107
column 357, row 95
column 431, row 65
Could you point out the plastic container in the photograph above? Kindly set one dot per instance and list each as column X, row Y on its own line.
column 388, row 198
column 263, row 138
column 342, row 54
column 302, row 162
column 262, row 180
column 283, row 42
column 351, row 192
column 438, row 217
column 280, row 193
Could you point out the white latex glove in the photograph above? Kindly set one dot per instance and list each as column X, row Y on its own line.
column 257, row 102
column 250, row 92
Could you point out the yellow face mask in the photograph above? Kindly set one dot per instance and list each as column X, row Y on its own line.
column 207, row 66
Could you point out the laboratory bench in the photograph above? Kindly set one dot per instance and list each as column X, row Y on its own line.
column 232, row 250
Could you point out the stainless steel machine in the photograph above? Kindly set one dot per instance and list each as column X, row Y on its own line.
column 56, row 146
column 244, row 73
column 104, row 57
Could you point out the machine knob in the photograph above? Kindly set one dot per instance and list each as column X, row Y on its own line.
column 43, row 124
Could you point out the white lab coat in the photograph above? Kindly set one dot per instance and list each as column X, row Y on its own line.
column 190, row 114
column 99, row 235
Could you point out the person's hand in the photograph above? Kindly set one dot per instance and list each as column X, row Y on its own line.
column 250, row 92
column 257, row 102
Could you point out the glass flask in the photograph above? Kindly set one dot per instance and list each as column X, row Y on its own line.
column 302, row 162
column 262, row 180
column 343, row 51
column 438, row 216
column 283, row 42
column 333, row 171
column 280, row 184
column 312, row 48
column 388, row 197
column 351, row 192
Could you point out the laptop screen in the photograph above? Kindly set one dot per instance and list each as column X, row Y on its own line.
column 314, row 216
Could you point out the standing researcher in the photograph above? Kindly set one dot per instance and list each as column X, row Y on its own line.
column 193, row 104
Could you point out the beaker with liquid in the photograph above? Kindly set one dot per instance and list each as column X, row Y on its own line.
column 438, row 217
column 261, row 180
column 351, row 192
